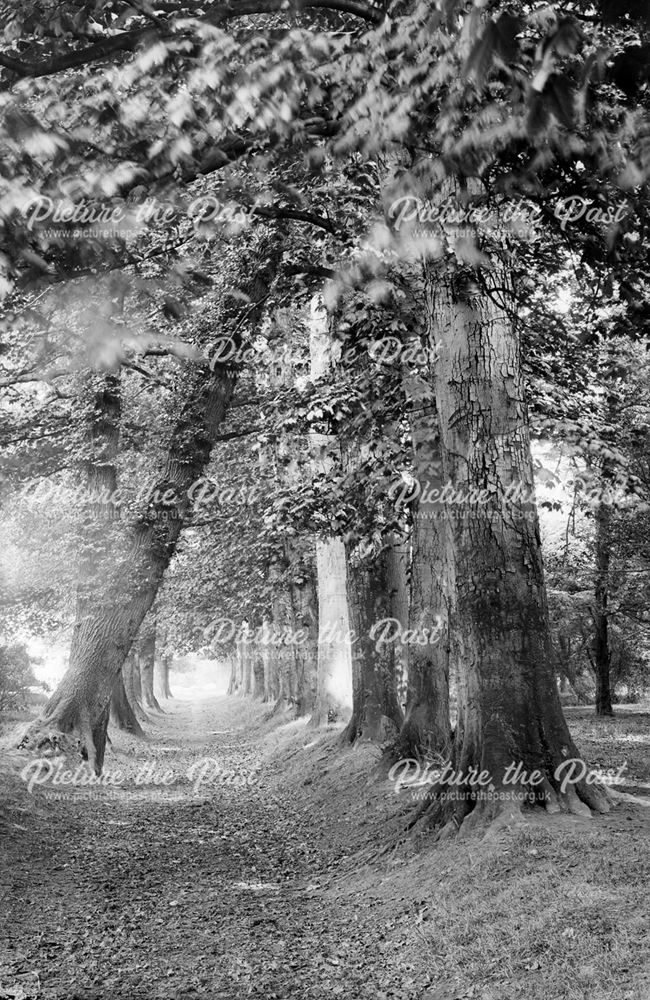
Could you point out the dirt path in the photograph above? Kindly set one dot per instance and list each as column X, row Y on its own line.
column 270, row 889
column 149, row 892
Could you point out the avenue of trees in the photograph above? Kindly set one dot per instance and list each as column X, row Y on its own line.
column 307, row 310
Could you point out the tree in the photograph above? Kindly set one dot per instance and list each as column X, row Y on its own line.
column 376, row 713
column 509, row 709
column 334, row 649
column 16, row 676
column 146, row 657
column 162, row 668
column 80, row 705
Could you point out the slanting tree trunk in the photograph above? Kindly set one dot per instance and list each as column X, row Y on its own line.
column 376, row 714
column 102, row 443
column 161, row 676
column 146, row 658
column 509, row 706
column 122, row 714
column 334, row 669
column 78, row 709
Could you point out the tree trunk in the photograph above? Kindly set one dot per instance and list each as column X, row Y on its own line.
column 376, row 714
column 244, row 658
column 146, row 660
column 267, row 662
column 427, row 728
column 161, row 676
column 102, row 442
column 133, row 684
column 509, row 707
column 398, row 574
column 603, row 549
column 334, row 668
column 122, row 714
column 232, row 682
column 602, row 652
column 305, row 619
column 280, row 653
column 102, row 640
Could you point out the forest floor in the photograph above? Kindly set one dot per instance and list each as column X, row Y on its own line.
column 288, row 876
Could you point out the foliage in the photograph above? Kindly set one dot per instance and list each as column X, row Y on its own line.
column 16, row 677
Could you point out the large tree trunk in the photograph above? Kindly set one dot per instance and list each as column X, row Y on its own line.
column 427, row 729
column 509, row 707
column 99, row 464
column 103, row 638
column 376, row 714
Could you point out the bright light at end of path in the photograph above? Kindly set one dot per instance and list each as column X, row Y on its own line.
column 562, row 302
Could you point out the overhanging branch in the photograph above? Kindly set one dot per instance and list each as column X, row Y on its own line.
column 219, row 13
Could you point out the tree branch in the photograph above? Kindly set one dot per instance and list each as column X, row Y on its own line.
column 219, row 13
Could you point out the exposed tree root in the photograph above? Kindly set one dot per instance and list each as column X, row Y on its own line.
column 280, row 706
column 70, row 734
column 381, row 731
column 465, row 811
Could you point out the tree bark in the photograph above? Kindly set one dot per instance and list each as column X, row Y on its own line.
column 232, row 681
column 102, row 442
column 146, row 660
column 122, row 714
column 133, row 684
column 102, row 640
column 398, row 574
column 161, row 676
column 509, row 707
column 376, row 714
column 602, row 652
column 427, row 728
column 305, row 619
column 334, row 668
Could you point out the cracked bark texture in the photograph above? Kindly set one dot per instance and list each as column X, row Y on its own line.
column 376, row 713
column 426, row 731
column 509, row 708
